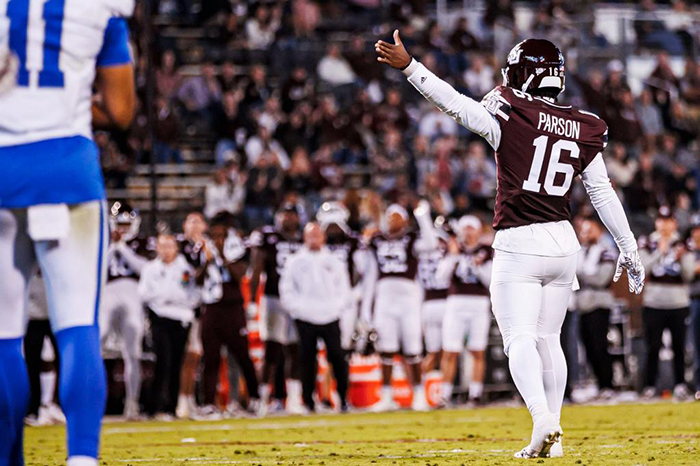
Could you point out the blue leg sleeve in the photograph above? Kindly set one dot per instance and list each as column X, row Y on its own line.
column 14, row 400
column 82, row 389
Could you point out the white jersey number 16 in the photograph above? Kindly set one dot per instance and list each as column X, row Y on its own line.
column 555, row 166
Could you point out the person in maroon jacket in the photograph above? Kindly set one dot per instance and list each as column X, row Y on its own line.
column 540, row 146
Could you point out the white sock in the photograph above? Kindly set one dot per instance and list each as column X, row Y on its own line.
column 387, row 392
column 526, row 368
column 265, row 392
column 418, row 388
column 81, row 461
column 447, row 389
column 48, row 385
column 475, row 390
column 554, row 371
column 294, row 389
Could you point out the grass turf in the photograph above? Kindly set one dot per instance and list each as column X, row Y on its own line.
column 658, row 434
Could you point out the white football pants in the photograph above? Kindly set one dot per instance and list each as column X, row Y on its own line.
column 530, row 295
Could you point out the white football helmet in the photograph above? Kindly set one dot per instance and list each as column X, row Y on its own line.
column 125, row 219
column 333, row 212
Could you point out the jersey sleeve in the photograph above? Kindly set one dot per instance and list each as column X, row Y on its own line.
column 498, row 103
column 115, row 47
column 595, row 133
column 234, row 248
column 256, row 239
column 465, row 111
column 123, row 8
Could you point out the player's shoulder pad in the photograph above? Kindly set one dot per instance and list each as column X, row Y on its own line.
column 598, row 125
column 498, row 102
column 124, row 8
column 256, row 238
column 234, row 247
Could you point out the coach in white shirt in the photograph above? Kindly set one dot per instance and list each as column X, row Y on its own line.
column 315, row 288
column 168, row 289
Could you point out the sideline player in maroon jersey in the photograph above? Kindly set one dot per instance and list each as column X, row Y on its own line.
column 540, row 146
column 121, row 312
column 467, row 269
column 272, row 247
column 396, row 296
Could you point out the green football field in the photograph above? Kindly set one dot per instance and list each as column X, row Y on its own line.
column 654, row 434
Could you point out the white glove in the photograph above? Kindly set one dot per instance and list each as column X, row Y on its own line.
column 423, row 208
column 635, row 271
column 252, row 310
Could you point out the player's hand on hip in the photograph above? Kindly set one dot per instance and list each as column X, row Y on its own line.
column 395, row 55
column 631, row 262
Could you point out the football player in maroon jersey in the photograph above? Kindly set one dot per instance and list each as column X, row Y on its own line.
column 540, row 146
column 467, row 269
column 121, row 312
column 396, row 296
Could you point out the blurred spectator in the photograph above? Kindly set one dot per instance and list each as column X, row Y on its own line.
column 298, row 177
column 478, row 177
column 690, row 83
column 168, row 290
column 334, row 69
column 622, row 168
column 305, row 17
column 435, row 123
column 649, row 116
column 165, row 133
column 265, row 180
column 198, row 94
column 225, row 192
column 262, row 27
column 261, row 143
column 167, row 77
column 461, row 39
column 479, row 77
column 391, row 113
column 115, row 165
column 362, row 61
column 623, row 121
column 257, row 88
column 297, row 88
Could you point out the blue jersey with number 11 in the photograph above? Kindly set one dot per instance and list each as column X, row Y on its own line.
column 46, row 150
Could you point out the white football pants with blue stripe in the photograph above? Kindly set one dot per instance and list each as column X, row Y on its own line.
column 73, row 268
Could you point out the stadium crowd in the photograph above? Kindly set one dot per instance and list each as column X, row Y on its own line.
column 301, row 123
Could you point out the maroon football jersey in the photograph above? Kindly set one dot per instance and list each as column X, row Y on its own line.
column 344, row 247
column 395, row 255
column 464, row 278
column 277, row 248
column 427, row 267
column 543, row 147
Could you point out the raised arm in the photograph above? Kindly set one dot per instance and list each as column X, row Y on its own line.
column 465, row 111
column 428, row 240
column 609, row 208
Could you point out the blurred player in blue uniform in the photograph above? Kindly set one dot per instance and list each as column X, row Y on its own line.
column 52, row 198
